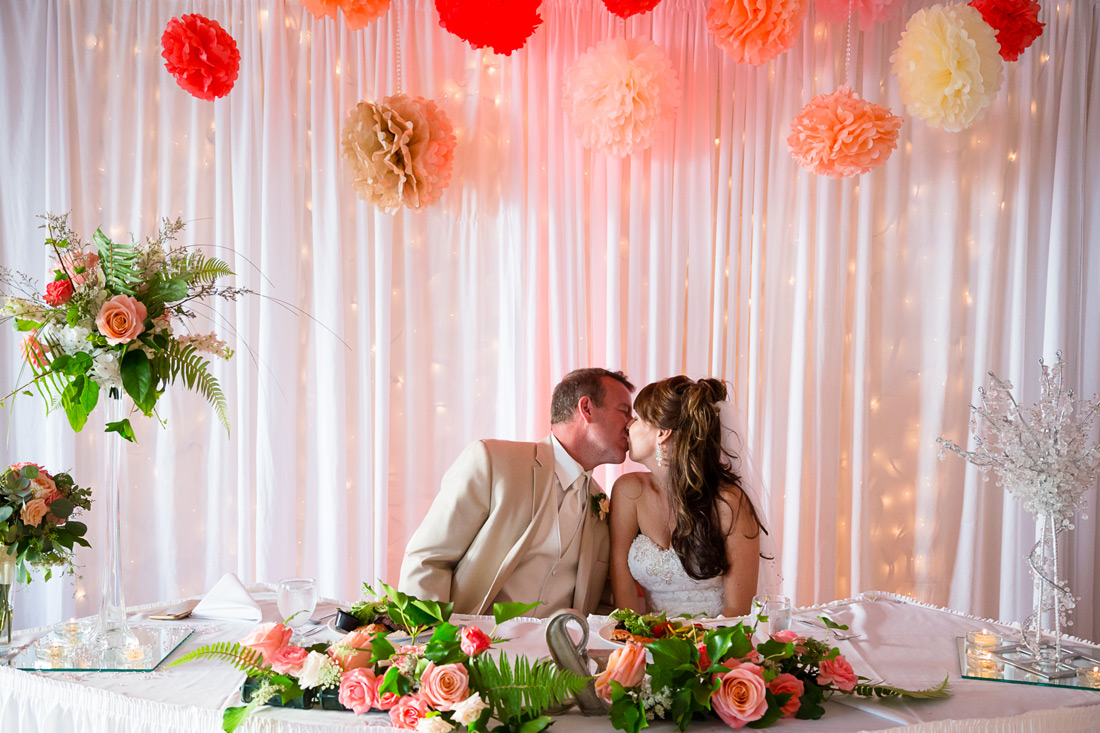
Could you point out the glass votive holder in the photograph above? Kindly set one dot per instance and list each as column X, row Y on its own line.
column 50, row 655
column 71, row 633
column 983, row 639
column 981, row 661
column 1089, row 677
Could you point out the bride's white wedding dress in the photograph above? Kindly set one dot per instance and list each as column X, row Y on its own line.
column 667, row 585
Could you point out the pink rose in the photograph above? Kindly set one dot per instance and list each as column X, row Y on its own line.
column 387, row 700
column 704, row 658
column 788, row 683
column 741, row 696
column 786, row 636
column 359, row 690
column 33, row 512
column 72, row 262
column 837, row 672
column 121, row 319
column 59, row 292
column 474, row 641
column 444, row 686
column 33, row 353
column 625, row 666
column 267, row 639
column 408, row 711
column 353, row 650
column 289, row 659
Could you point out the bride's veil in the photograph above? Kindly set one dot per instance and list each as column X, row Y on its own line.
column 744, row 463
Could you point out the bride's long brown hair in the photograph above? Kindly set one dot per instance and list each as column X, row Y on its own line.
column 698, row 468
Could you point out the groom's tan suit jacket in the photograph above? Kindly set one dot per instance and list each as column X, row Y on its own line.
column 482, row 523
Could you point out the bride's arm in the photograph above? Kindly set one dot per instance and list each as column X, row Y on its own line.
column 743, row 551
column 624, row 528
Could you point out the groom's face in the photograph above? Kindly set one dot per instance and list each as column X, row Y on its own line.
column 608, row 431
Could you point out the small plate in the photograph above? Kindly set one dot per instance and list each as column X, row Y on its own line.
column 395, row 637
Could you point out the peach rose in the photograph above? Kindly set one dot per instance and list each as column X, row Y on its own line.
column 741, row 696
column 387, row 700
column 359, row 690
column 33, row 512
column 353, row 650
column 33, row 352
column 121, row 319
column 289, row 659
column 407, row 712
column 625, row 666
column 444, row 686
column 785, row 636
column 788, row 683
column 267, row 639
column 837, row 672
column 72, row 262
column 474, row 641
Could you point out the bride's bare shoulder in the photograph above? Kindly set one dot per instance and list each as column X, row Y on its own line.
column 631, row 485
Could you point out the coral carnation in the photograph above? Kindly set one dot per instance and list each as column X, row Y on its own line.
column 1016, row 22
column 841, row 135
column 870, row 11
column 400, row 151
column 502, row 25
column 948, row 66
column 201, row 56
column 755, row 31
column 627, row 8
column 59, row 292
column 620, row 95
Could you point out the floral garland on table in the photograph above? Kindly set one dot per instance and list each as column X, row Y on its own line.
column 106, row 322
column 433, row 687
column 37, row 522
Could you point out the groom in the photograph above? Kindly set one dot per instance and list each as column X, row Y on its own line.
column 515, row 521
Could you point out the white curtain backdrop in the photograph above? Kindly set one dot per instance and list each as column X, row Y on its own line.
column 854, row 319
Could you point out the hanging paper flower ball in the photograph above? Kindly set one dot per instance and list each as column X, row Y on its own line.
column 201, row 56
column 870, row 11
column 755, row 31
column 840, row 135
column 948, row 66
column 322, row 8
column 400, row 151
column 1016, row 22
column 502, row 25
column 620, row 94
column 627, row 8
column 357, row 13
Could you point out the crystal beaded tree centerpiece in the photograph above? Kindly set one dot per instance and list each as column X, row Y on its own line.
column 1044, row 456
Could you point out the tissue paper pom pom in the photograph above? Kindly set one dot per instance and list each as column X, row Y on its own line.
column 201, row 56
column 1016, row 22
column 620, row 94
column 841, row 135
column 948, row 66
column 321, row 8
column 400, row 151
column 755, row 31
column 870, row 11
column 627, row 8
column 502, row 25
column 357, row 13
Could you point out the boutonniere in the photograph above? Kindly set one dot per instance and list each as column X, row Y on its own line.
column 600, row 505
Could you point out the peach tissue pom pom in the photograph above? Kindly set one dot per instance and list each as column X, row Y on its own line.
column 870, row 11
column 620, row 94
column 400, row 151
column 755, row 31
column 357, row 13
column 948, row 66
column 840, row 135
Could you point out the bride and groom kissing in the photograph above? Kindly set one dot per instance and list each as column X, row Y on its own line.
column 525, row 522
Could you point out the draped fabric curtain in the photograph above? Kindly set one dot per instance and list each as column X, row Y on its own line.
column 854, row 320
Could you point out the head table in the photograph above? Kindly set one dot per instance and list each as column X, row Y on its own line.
column 899, row 641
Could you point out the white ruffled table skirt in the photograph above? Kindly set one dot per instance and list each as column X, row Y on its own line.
column 901, row 642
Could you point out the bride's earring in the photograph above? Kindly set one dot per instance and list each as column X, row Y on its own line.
column 660, row 456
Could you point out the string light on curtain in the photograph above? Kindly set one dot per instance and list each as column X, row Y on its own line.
column 1016, row 22
column 755, row 32
column 201, row 56
column 502, row 25
column 357, row 13
column 627, row 8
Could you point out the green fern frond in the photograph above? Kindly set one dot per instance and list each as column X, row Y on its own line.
column 206, row 270
column 939, row 692
column 181, row 362
column 530, row 688
column 117, row 260
column 243, row 658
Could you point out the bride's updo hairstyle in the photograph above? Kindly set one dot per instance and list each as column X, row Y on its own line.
column 698, row 469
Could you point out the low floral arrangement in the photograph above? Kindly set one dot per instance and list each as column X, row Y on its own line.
column 111, row 319
column 437, row 686
column 36, row 518
column 785, row 676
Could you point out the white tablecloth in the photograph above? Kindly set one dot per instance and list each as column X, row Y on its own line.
column 900, row 642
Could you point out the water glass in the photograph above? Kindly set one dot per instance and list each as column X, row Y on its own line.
column 296, row 598
column 776, row 608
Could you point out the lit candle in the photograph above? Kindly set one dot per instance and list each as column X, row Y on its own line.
column 1089, row 677
column 981, row 661
column 134, row 653
column 983, row 639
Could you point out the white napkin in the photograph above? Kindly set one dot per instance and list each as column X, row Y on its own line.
column 228, row 599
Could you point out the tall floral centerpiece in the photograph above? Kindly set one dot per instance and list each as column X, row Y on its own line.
column 114, row 322
column 1043, row 455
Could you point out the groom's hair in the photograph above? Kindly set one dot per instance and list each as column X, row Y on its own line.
column 579, row 383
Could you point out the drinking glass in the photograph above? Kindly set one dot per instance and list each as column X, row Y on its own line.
column 776, row 608
column 296, row 598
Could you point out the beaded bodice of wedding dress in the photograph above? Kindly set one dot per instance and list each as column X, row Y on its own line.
column 667, row 585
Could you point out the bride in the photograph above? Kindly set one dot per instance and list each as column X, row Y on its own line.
column 686, row 532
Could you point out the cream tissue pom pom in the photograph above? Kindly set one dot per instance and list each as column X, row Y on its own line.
column 400, row 151
column 948, row 65
column 620, row 94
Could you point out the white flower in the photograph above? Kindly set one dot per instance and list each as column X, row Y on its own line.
column 434, row 724
column 316, row 671
column 73, row 339
column 105, row 369
column 469, row 709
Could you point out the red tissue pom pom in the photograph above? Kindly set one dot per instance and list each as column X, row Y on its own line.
column 627, row 8
column 201, row 56
column 1016, row 22
column 503, row 25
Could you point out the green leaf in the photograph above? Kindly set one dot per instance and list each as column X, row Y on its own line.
column 181, row 361
column 395, row 682
column 76, row 529
column 627, row 713
column 73, row 365
column 137, row 380
column 23, row 324
column 538, row 724
column 72, row 400
column 507, row 611
column 61, row 508
column 123, row 428
column 380, row 648
column 166, row 291
column 6, row 511
column 233, row 717
column 830, row 624
column 118, row 262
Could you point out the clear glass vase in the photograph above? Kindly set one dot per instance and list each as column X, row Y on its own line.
column 1054, row 599
column 7, row 585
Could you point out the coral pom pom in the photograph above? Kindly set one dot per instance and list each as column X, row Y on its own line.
column 755, row 31
column 841, row 135
column 201, row 56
